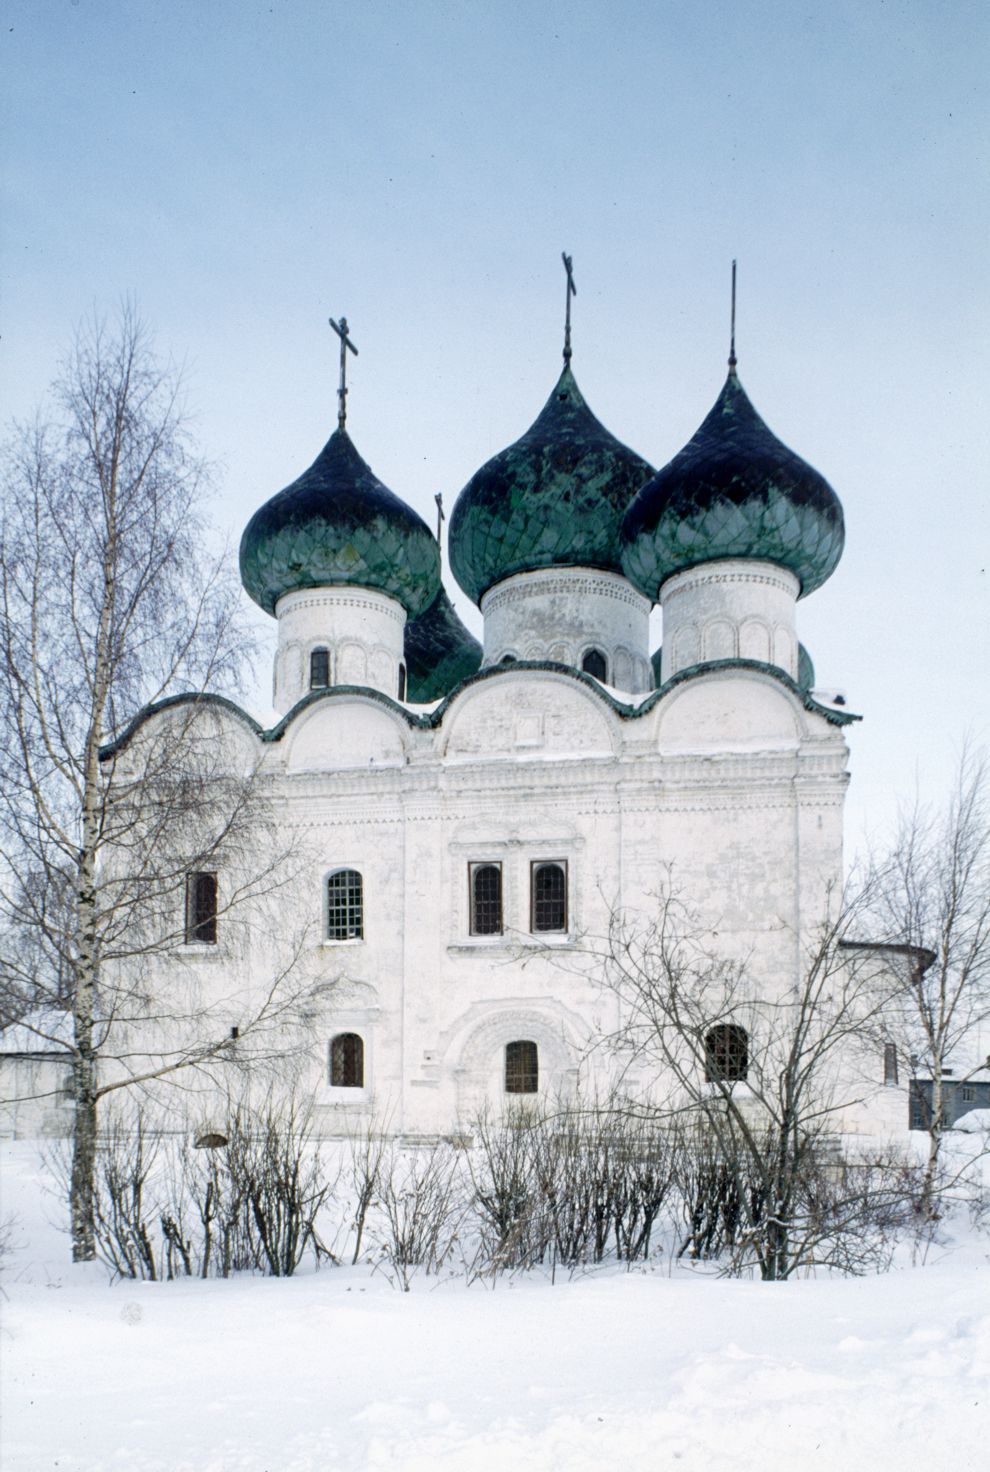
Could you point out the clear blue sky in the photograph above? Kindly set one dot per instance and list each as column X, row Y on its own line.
column 245, row 169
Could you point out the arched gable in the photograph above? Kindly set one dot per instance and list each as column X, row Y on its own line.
column 728, row 709
column 528, row 712
column 344, row 731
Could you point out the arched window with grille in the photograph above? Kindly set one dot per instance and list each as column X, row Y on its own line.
column 548, row 895
column 347, row 1061
column 486, row 899
column 522, row 1067
column 345, row 905
column 726, row 1054
column 319, row 669
column 595, row 664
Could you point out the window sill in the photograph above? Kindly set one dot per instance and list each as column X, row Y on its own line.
column 198, row 948
column 351, row 940
column 551, row 940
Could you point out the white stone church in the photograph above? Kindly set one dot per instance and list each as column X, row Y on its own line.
column 475, row 811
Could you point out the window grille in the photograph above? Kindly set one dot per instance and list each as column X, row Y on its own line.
column 486, row 899
column 548, row 895
column 319, row 669
column 347, row 1061
column 726, row 1054
column 522, row 1067
column 345, row 905
column 594, row 664
column 889, row 1063
column 201, row 909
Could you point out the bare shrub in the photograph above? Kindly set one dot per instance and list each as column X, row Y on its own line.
column 421, row 1205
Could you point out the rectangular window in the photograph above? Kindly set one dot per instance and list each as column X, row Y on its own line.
column 968, row 1094
column 889, row 1063
column 201, row 909
column 345, row 905
column 485, row 882
column 319, row 669
column 548, row 895
column 522, row 1067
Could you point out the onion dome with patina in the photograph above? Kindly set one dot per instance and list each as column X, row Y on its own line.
column 555, row 498
column 338, row 524
column 734, row 491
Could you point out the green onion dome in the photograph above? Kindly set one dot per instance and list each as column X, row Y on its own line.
column 733, row 491
column 440, row 652
column 553, row 499
column 338, row 524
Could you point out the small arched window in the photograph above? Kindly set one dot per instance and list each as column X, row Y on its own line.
column 522, row 1067
column 726, row 1054
column 319, row 669
column 594, row 664
column 548, row 896
column 345, row 905
column 347, row 1061
column 402, row 682
column 486, row 899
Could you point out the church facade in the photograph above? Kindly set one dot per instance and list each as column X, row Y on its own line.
column 471, row 814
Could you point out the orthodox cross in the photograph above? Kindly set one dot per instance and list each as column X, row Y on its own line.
column 343, row 332
column 732, row 331
column 571, row 291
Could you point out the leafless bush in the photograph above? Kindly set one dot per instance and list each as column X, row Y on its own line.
column 421, row 1205
column 164, row 1210
column 566, row 1185
column 279, row 1176
column 368, row 1153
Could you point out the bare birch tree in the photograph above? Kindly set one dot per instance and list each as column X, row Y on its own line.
column 113, row 603
column 932, row 894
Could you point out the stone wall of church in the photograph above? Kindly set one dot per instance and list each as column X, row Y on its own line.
column 360, row 630
column 727, row 790
column 735, row 608
column 565, row 613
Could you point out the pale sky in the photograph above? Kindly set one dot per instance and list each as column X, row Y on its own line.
column 244, row 170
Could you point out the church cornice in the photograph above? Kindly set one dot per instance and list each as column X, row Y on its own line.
column 432, row 720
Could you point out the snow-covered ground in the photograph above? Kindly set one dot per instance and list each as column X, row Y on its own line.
column 337, row 1370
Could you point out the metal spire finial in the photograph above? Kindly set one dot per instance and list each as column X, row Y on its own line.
column 732, row 333
column 571, row 291
column 343, row 332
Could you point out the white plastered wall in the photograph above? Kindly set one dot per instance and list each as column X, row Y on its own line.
column 561, row 613
column 735, row 608
column 361, row 629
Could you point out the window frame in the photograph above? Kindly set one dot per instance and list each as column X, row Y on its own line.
column 354, row 1065
column 521, row 1071
column 724, row 1039
column 475, row 867
column 197, row 917
column 890, row 1069
column 349, row 933
column 535, row 865
column 321, row 651
column 593, row 652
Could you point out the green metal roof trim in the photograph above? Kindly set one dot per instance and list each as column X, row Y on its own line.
column 806, row 670
column 337, row 524
column 555, row 498
column 431, row 720
column 222, row 702
column 734, row 491
column 439, row 652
